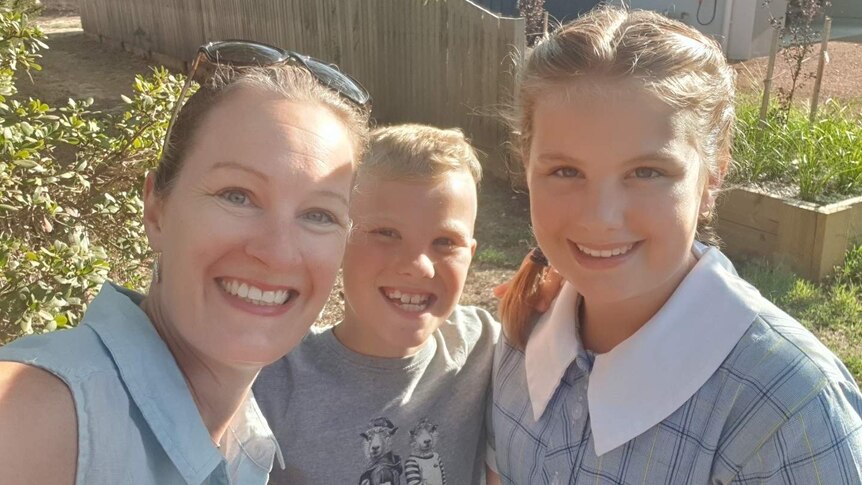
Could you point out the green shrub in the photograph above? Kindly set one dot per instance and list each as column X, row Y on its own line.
column 70, row 179
column 820, row 162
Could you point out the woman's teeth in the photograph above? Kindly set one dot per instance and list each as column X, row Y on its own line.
column 410, row 302
column 253, row 294
column 605, row 253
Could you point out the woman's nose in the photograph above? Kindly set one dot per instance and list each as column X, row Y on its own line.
column 276, row 245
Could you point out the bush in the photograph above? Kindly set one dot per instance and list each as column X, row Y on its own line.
column 70, row 179
column 820, row 162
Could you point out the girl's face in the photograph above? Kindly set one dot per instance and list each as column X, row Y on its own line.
column 616, row 188
column 253, row 231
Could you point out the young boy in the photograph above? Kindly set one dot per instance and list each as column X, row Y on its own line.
column 396, row 393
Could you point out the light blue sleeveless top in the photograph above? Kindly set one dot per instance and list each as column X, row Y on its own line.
column 137, row 422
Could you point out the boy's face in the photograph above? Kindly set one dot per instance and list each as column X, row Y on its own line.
column 406, row 261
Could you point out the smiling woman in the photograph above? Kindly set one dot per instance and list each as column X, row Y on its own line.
column 247, row 213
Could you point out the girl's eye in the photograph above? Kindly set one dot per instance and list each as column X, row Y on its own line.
column 566, row 172
column 235, row 197
column 320, row 217
column 646, row 173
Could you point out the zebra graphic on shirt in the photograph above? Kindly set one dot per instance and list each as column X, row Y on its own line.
column 424, row 466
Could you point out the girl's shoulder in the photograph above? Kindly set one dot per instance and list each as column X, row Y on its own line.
column 776, row 342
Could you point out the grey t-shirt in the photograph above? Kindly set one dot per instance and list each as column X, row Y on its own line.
column 346, row 418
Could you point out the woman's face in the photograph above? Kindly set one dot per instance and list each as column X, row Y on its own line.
column 253, row 230
column 616, row 189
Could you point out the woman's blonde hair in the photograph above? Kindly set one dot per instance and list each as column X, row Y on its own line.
column 677, row 64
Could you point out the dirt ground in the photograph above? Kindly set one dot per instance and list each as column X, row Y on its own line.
column 77, row 65
column 842, row 75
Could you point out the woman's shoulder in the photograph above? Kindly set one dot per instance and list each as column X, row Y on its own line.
column 73, row 353
column 38, row 425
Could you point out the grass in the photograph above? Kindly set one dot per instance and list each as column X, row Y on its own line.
column 503, row 227
column 822, row 162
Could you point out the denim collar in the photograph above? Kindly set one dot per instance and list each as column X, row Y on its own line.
column 647, row 377
column 158, row 388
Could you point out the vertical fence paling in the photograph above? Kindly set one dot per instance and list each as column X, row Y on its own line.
column 443, row 62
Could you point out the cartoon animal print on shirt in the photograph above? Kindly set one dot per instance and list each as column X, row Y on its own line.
column 424, row 466
column 384, row 467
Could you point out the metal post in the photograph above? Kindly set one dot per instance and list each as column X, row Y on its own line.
column 770, row 68
column 815, row 96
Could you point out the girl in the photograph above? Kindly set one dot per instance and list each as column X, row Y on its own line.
column 656, row 363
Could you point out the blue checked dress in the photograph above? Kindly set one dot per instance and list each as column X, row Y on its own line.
column 778, row 409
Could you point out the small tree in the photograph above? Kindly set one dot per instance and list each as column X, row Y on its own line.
column 533, row 12
column 70, row 177
column 800, row 36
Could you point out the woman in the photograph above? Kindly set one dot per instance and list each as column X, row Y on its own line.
column 247, row 213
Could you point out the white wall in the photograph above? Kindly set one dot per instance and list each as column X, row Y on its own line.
column 686, row 11
column 846, row 8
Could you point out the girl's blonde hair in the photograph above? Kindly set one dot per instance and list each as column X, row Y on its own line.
column 677, row 64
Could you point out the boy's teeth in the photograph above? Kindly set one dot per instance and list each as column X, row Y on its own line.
column 255, row 295
column 408, row 301
column 605, row 253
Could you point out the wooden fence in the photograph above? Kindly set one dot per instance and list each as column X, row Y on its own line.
column 443, row 62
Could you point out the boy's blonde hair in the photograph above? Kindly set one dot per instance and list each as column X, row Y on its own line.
column 679, row 65
column 419, row 153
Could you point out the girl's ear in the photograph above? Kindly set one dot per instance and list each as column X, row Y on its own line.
column 714, row 183
column 153, row 210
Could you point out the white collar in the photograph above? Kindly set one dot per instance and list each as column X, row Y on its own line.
column 647, row 377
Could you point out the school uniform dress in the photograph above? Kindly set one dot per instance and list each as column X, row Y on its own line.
column 137, row 421
column 720, row 386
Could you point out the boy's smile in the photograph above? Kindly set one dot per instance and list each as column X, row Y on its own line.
column 406, row 260
column 408, row 300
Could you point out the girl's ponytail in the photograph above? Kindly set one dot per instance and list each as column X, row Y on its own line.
column 517, row 307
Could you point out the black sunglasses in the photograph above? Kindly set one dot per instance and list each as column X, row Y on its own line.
column 246, row 53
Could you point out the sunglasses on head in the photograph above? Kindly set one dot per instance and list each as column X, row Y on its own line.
column 246, row 53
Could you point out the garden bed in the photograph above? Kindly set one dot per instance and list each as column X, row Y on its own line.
column 810, row 238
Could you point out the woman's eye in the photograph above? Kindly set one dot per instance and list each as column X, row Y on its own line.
column 566, row 172
column 646, row 173
column 235, row 197
column 390, row 233
column 320, row 217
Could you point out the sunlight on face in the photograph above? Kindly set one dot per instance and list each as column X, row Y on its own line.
column 407, row 261
column 253, row 231
column 616, row 188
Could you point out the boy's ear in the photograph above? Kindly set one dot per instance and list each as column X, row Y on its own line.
column 473, row 245
column 153, row 211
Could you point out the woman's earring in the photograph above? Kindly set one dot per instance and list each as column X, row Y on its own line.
column 157, row 269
